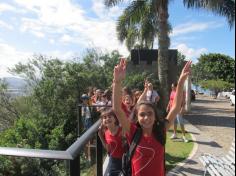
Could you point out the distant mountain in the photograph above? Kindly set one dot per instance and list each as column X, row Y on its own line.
column 15, row 83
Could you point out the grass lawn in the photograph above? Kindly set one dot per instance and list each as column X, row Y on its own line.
column 177, row 150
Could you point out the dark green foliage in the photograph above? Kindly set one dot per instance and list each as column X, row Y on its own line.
column 216, row 86
column 25, row 134
column 214, row 67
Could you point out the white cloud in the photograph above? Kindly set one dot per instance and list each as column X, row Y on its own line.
column 190, row 53
column 103, row 12
column 51, row 41
column 9, row 56
column 194, row 27
column 66, row 38
column 5, row 25
column 63, row 18
column 38, row 34
column 6, row 7
column 69, row 55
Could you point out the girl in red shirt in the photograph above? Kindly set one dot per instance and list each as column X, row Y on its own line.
column 110, row 134
column 148, row 158
column 179, row 119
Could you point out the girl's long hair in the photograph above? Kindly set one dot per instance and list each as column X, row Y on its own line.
column 159, row 130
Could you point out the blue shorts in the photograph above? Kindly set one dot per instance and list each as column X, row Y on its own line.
column 88, row 122
column 179, row 120
column 114, row 166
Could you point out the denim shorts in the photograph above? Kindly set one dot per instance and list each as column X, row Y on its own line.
column 179, row 120
column 114, row 166
column 88, row 122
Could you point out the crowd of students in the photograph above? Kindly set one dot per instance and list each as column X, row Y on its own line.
column 124, row 112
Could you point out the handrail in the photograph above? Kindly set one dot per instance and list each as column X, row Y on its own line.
column 78, row 145
column 34, row 153
column 69, row 154
column 72, row 153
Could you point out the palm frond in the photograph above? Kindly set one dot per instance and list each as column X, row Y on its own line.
column 135, row 11
column 132, row 38
column 111, row 3
column 122, row 28
column 224, row 8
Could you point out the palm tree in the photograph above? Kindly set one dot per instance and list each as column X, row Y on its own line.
column 138, row 25
column 224, row 8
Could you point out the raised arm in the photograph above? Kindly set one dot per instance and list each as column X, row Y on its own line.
column 102, row 138
column 119, row 76
column 179, row 95
column 168, row 107
column 144, row 94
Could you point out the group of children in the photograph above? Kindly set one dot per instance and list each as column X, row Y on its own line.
column 121, row 122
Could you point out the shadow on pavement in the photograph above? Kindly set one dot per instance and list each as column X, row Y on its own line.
column 211, row 120
column 187, row 172
column 212, row 144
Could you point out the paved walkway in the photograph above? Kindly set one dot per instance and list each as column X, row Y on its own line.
column 212, row 124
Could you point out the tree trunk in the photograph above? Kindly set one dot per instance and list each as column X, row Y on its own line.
column 164, row 43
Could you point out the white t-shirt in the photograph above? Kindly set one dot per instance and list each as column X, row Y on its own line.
column 151, row 96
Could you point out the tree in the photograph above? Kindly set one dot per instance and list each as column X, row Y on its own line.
column 214, row 67
column 223, row 8
column 47, row 115
column 138, row 25
column 216, row 86
column 8, row 112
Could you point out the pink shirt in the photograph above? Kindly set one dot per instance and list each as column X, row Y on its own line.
column 172, row 97
column 148, row 158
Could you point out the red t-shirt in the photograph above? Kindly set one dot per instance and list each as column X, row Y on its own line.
column 148, row 158
column 126, row 110
column 115, row 146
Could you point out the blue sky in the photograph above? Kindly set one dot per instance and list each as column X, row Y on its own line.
column 65, row 28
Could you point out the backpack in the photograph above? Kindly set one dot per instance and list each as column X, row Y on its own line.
column 126, row 159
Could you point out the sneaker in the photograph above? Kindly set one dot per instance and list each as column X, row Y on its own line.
column 173, row 136
column 185, row 140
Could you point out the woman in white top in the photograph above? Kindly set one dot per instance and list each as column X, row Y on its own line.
column 152, row 95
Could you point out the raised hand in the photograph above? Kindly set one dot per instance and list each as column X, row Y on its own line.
column 146, row 84
column 120, row 71
column 185, row 72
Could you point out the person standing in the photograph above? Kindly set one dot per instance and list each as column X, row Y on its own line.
column 179, row 120
column 87, row 121
column 152, row 95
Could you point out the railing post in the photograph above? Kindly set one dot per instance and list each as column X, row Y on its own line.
column 78, row 120
column 75, row 166
column 99, row 158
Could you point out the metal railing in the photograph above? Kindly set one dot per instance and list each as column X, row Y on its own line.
column 72, row 154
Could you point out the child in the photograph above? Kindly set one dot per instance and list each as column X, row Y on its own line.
column 127, row 105
column 87, row 121
column 148, row 158
column 110, row 134
column 179, row 118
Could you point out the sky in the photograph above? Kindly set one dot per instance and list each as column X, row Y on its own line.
column 66, row 28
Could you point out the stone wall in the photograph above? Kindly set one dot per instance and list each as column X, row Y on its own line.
column 146, row 60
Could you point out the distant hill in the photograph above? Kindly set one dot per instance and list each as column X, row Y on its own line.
column 14, row 83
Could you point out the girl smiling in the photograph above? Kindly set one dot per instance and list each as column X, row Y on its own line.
column 148, row 158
